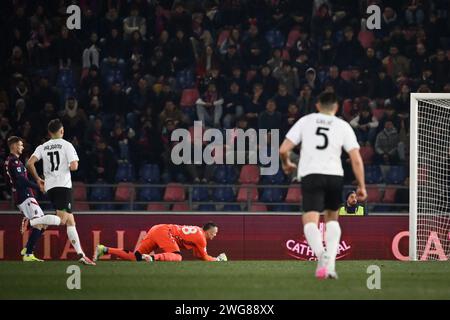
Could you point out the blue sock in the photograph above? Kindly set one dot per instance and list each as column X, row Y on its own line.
column 32, row 240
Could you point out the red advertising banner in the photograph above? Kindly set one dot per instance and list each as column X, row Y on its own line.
column 242, row 237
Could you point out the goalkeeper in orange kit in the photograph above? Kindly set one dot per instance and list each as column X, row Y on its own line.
column 170, row 239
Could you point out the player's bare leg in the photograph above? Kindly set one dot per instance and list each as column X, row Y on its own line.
column 332, row 238
column 314, row 238
column 69, row 220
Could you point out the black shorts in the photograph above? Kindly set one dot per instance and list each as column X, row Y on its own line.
column 322, row 192
column 61, row 198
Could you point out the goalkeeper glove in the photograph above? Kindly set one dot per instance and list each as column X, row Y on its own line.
column 222, row 257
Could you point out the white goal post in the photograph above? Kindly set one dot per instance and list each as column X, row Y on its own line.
column 429, row 201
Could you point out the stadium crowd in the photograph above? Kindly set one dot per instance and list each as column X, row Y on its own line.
column 139, row 69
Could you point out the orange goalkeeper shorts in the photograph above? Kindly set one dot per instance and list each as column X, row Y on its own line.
column 158, row 236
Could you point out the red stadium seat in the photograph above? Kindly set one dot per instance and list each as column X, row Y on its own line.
column 81, row 206
column 124, row 192
column 197, row 137
column 347, row 109
column 249, row 174
column 174, row 193
column 5, row 205
column 222, row 37
column 373, row 194
column 294, row 194
column 246, row 192
column 79, row 191
column 258, row 207
column 293, row 36
column 189, row 97
column 366, row 39
column 180, row 207
column 367, row 154
column 389, row 194
column 157, row 207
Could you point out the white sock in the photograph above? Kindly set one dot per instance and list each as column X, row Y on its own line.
column 72, row 234
column 332, row 238
column 49, row 220
column 314, row 238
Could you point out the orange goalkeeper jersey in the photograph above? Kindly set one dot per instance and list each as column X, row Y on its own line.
column 191, row 238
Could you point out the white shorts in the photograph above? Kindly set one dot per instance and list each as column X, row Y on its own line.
column 30, row 208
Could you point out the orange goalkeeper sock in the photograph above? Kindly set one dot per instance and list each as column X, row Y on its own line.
column 122, row 254
column 167, row 256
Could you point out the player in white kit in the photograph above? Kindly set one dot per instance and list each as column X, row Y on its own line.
column 322, row 136
column 59, row 159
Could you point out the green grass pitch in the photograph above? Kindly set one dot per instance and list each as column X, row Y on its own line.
column 231, row 280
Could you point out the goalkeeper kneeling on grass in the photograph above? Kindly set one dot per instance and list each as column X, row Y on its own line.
column 170, row 239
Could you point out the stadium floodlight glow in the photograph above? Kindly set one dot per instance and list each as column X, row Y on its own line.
column 429, row 202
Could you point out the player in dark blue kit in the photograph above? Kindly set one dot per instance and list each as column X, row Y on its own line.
column 22, row 189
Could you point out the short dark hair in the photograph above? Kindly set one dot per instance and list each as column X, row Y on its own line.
column 327, row 99
column 12, row 140
column 209, row 225
column 54, row 125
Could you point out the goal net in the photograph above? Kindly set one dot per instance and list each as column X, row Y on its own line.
column 429, row 226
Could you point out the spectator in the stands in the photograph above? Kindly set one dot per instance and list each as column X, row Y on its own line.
column 365, row 126
column 382, row 87
column 306, row 102
column 209, row 107
column 265, row 77
column 282, row 98
column 103, row 163
column 170, row 111
column 302, row 63
column 287, row 75
column 395, row 63
column 358, row 86
column 370, row 64
column 180, row 51
column 74, row 118
column 419, row 60
column 255, row 105
column 115, row 103
column 339, row 85
column 207, row 60
column 134, row 22
column 390, row 114
column 440, row 66
column 94, row 133
column 349, row 52
column 91, row 53
column 293, row 114
column 255, row 48
column 233, row 106
column 66, row 46
column 270, row 118
column 401, row 101
column 386, row 145
column 230, row 59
